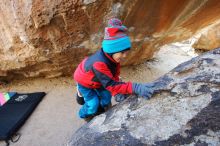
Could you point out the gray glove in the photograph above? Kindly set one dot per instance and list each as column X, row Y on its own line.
column 120, row 97
column 145, row 90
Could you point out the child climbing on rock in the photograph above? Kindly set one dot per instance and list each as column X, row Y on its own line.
column 97, row 76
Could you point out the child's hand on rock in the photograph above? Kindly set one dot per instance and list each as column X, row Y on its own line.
column 145, row 90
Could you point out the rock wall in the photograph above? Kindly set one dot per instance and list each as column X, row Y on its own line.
column 209, row 40
column 184, row 111
column 49, row 38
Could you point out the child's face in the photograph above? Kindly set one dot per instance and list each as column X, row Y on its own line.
column 120, row 56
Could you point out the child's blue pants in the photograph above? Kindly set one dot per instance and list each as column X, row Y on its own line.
column 93, row 98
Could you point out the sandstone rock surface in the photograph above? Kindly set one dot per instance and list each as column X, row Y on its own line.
column 209, row 40
column 49, row 38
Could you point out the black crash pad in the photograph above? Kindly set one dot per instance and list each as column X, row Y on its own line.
column 15, row 112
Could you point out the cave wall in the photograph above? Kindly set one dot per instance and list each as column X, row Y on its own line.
column 49, row 38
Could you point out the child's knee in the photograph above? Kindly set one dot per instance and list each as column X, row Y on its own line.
column 93, row 105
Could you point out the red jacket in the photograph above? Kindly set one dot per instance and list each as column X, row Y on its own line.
column 101, row 70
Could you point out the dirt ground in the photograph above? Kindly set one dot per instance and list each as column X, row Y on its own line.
column 55, row 119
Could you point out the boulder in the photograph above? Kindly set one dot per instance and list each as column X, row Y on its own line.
column 185, row 110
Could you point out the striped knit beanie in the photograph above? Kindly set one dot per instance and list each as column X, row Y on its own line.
column 115, row 39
